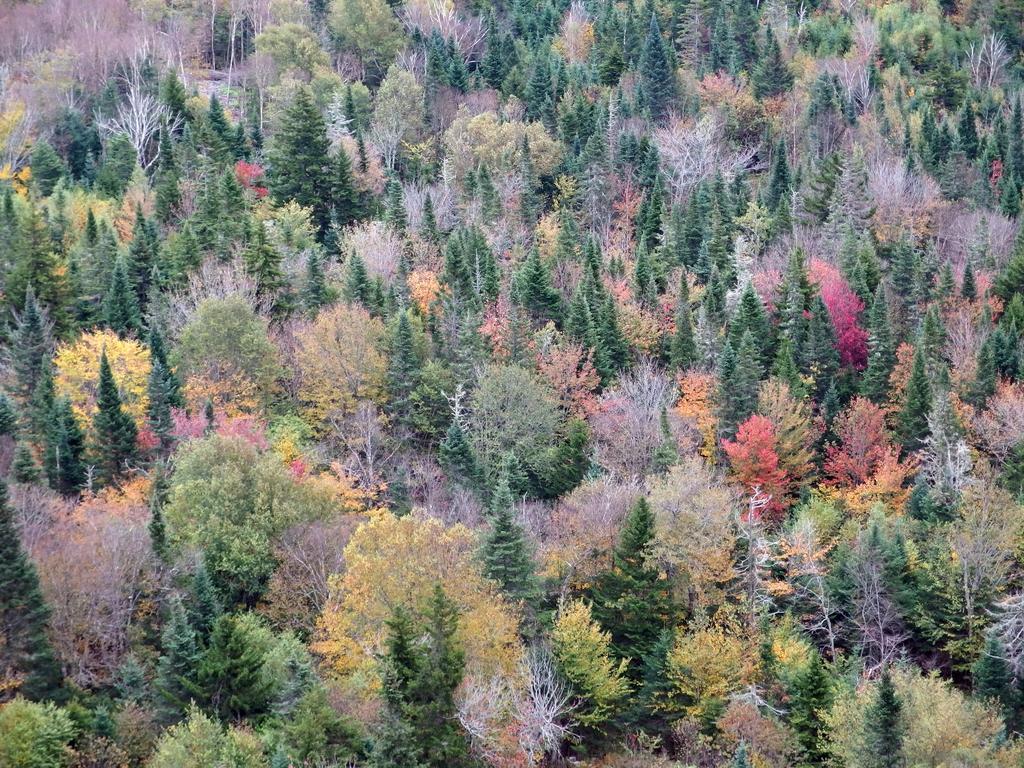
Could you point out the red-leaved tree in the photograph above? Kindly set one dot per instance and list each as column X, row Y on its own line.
column 755, row 462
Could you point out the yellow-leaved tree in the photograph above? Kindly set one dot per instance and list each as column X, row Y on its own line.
column 392, row 561
column 77, row 372
column 339, row 361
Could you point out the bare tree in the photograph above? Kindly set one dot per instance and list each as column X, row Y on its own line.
column 987, row 60
column 543, row 708
column 878, row 622
column 807, row 572
column 693, row 151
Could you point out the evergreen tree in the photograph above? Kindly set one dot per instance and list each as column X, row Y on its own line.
column 47, row 168
column 403, row 374
column 992, row 677
column 421, row 728
column 810, row 702
column 26, row 657
column 230, row 675
column 742, row 757
column 315, row 293
column 344, row 197
column 24, row 468
column 534, row 290
column 30, row 348
column 772, row 75
column 205, row 606
column 884, row 726
column 780, row 182
column 178, row 666
column 8, row 417
column 168, row 192
column 632, row 600
column 63, row 457
column 683, row 352
column 881, row 355
column 740, row 373
column 157, row 527
column 913, row 417
column 263, row 263
column 300, row 166
column 116, row 434
column 506, row 551
column 357, row 288
column 160, row 392
column 657, row 78
column 120, row 305
column 457, row 458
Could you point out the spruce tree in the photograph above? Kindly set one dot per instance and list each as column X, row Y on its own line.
column 457, row 458
column 160, row 392
column 881, row 355
column 26, row 657
column 31, row 346
column 230, row 675
column 300, row 165
column 64, row 449
column 115, row 431
column 683, row 352
column 8, row 416
column 657, row 79
column 772, row 75
column 534, row 290
column 992, row 677
column 403, row 373
column 315, row 292
column 158, row 492
column 913, row 417
column 344, row 197
column 810, row 702
column 883, row 720
column 168, row 193
column 506, row 552
column 120, row 305
column 205, row 605
column 24, row 468
column 178, row 666
column 632, row 600
column 263, row 263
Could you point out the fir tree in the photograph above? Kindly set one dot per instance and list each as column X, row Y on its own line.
column 300, row 166
column 315, row 293
column 263, row 262
column 992, row 677
column 913, row 417
column 24, row 468
column 506, row 552
column 632, row 600
column 8, row 417
column 884, row 726
column 657, row 79
column 157, row 527
column 120, row 305
column 457, row 458
column 64, row 449
column 30, row 348
column 881, row 355
column 116, row 434
column 168, row 193
column 772, row 75
column 26, row 657
column 178, row 665
column 344, row 197
column 205, row 606
column 160, row 392
column 534, row 290
column 230, row 675
column 683, row 353
column 403, row 371
column 810, row 702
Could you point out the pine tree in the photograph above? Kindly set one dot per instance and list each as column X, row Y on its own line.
column 657, row 79
column 632, row 600
column 64, row 449
column 506, row 552
column 772, row 75
column 116, row 434
column 809, row 705
column 26, row 657
column 884, row 726
column 230, row 675
column 913, row 417
column 178, row 666
column 120, row 305
column 300, row 165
